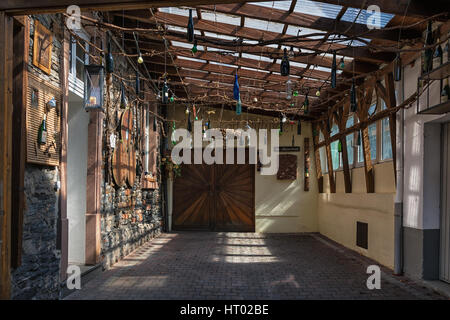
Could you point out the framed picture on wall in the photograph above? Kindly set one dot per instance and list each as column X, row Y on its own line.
column 42, row 47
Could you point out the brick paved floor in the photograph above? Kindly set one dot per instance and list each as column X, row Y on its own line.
column 203, row 265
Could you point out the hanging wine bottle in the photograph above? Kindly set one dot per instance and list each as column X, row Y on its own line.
column 154, row 124
column 437, row 57
column 333, row 71
column 339, row 146
column 190, row 27
column 123, row 97
column 398, row 68
column 236, row 94
column 42, row 133
column 306, row 105
column 358, row 140
column 428, row 54
column 238, row 107
column 284, row 66
column 109, row 58
column 299, row 128
column 353, row 101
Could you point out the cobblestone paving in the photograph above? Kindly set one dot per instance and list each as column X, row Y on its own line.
column 203, row 265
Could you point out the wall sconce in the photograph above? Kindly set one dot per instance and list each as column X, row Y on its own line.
column 93, row 87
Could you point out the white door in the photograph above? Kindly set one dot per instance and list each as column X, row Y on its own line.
column 445, row 213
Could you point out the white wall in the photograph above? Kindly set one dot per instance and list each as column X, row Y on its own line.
column 416, row 170
column 76, row 179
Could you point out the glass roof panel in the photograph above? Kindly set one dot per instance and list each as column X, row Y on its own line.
column 264, row 25
column 179, row 11
column 220, row 36
column 319, row 9
column 221, row 18
column 293, row 31
column 282, row 5
column 365, row 17
column 255, row 57
column 191, row 59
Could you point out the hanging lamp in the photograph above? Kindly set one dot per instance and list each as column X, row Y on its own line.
column 353, row 102
column 165, row 92
column 190, row 27
column 333, row 71
column 284, row 66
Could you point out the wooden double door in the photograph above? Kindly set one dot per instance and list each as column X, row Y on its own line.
column 217, row 197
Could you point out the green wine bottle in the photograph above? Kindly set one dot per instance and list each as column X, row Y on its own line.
column 437, row 58
column 428, row 58
column 42, row 133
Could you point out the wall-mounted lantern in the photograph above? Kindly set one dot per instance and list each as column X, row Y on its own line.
column 93, row 87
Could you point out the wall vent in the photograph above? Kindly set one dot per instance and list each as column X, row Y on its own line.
column 362, row 235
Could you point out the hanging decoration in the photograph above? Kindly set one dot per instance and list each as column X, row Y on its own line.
column 93, row 87
column 306, row 105
column 154, row 124
column 398, row 68
column 190, row 27
column 109, row 57
column 236, row 94
column 353, row 102
column 291, row 52
column 428, row 54
column 137, row 84
column 284, row 66
column 318, row 93
column 165, row 92
column 123, row 97
column 194, row 47
column 340, row 146
column 333, row 71
column 239, row 107
column 289, row 89
column 342, row 63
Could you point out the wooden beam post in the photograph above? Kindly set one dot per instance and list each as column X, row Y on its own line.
column 365, row 100
column 6, row 109
column 326, row 134
column 20, row 48
column 391, row 103
column 319, row 175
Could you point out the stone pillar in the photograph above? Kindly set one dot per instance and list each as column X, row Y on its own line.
column 93, row 188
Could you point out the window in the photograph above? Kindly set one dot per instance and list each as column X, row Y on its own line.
column 386, row 145
column 350, row 138
column 77, row 59
column 335, row 154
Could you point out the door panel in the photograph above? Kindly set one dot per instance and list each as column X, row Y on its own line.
column 192, row 198
column 215, row 197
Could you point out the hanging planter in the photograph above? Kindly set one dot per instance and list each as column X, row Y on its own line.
column 93, row 87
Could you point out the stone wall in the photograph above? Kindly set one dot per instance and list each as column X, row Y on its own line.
column 38, row 275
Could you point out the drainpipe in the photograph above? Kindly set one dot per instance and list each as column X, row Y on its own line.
column 398, row 213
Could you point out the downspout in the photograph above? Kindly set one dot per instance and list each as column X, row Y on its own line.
column 398, row 209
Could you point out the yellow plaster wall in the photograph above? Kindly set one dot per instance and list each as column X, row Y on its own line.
column 339, row 212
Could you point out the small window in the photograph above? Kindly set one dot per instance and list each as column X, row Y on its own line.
column 386, row 145
column 78, row 57
column 335, row 154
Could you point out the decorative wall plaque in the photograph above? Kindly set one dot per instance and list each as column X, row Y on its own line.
column 42, row 47
column 287, row 169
